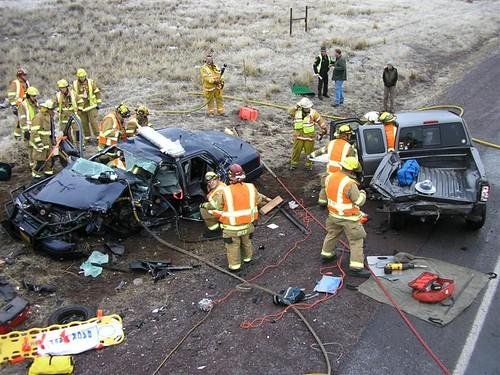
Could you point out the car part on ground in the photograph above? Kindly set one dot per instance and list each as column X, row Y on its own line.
column 71, row 313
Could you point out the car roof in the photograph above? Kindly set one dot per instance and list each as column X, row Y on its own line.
column 416, row 118
column 193, row 142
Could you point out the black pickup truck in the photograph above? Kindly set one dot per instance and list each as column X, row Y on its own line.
column 440, row 142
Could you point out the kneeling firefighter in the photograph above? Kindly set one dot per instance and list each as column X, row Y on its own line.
column 215, row 190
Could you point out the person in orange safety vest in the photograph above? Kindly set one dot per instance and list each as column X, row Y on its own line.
column 112, row 127
column 344, row 214
column 390, row 127
column 236, row 209
column 337, row 149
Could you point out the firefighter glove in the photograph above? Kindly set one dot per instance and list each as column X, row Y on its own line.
column 26, row 135
column 14, row 110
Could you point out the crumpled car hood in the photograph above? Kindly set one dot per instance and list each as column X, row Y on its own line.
column 72, row 190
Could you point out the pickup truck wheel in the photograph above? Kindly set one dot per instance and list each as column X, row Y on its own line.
column 477, row 224
column 396, row 220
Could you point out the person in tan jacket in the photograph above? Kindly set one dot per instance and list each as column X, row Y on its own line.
column 213, row 83
column 137, row 120
column 42, row 141
column 87, row 89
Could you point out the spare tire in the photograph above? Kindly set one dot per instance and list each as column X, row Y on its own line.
column 71, row 313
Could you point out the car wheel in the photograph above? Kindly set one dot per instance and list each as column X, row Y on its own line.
column 477, row 223
column 396, row 220
column 71, row 313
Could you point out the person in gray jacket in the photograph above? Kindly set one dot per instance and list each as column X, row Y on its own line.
column 339, row 76
column 390, row 77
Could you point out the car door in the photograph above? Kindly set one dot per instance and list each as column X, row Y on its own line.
column 193, row 171
column 372, row 148
column 71, row 142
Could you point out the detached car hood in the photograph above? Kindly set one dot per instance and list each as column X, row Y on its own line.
column 73, row 190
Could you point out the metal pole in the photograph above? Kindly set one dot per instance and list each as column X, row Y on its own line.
column 291, row 20
column 306, row 20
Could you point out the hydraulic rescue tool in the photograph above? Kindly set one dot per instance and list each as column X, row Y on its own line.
column 391, row 267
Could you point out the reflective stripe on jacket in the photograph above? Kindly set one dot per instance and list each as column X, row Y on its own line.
column 219, row 189
column 93, row 98
column 110, row 130
column 42, row 132
column 340, row 205
column 240, row 206
column 27, row 111
column 338, row 149
column 17, row 91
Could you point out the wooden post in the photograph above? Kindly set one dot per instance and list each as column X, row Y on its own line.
column 305, row 21
column 298, row 19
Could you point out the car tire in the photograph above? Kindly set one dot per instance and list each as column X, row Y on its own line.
column 71, row 313
column 396, row 220
column 477, row 224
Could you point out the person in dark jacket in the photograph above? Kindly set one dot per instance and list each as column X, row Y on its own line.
column 321, row 67
column 339, row 76
column 390, row 77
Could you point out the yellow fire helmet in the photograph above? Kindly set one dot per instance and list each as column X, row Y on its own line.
column 123, row 110
column 343, row 129
column 32, row 91
column 81, row 73
column 209, row 176
column 350, row 163
column 142, row 109
column 49, row 104
column 62, row 83
column 386, row 117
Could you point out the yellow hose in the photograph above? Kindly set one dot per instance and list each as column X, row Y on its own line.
column 264, row 104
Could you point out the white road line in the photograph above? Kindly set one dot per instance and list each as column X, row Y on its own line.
column 477, row 325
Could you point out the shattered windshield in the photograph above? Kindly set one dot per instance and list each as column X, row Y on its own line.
column 139, row 166
column 86, row 167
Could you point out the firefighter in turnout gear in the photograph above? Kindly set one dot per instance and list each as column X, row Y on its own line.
column 305, row 121
column 90, row 94
column 213, row 83
column 337, row 149
column 42, row 140
column 67, row 103
column 390, row 127
column 344, row 200
column 215, row 189
column 26, row 113
column 112, row 128
column 137, row 120
column 236, row 209
column 17, row 88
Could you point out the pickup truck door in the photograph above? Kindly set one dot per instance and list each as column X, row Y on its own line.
column 372, row 147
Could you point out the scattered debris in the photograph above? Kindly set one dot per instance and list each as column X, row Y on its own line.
column 206, row 304
column 121, row 285
column 39, row 288
column 137, row 281
column 273, row 226
column 289, row 296
column 89, row 268
column 115, row 248
column 159, row 309
column 158, row 269
column 293, row 205
column 328, row 284
column 71, row 313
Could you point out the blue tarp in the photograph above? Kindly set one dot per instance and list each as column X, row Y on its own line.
column 408, row 172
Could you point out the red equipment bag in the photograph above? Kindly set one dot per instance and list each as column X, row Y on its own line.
column 431, row 288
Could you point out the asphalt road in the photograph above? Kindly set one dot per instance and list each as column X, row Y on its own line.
column 387, row 346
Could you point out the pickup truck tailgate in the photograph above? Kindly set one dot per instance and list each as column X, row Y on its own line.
column 452, row 184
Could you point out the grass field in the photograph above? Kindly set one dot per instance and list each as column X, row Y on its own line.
column 150, row 52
